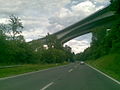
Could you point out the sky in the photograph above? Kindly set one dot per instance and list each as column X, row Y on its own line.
column 40, row 17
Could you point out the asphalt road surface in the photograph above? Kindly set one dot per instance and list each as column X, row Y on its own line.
column 69, row 77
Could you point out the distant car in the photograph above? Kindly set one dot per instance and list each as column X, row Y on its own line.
column 82, row 62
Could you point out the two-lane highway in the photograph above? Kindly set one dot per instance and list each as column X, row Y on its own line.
column 69, row 77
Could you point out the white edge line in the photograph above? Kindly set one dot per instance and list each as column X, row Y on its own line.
column 45, row 87
column 104, row 74
column 28, row 73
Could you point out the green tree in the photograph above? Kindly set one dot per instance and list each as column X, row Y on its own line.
column 15, row 26
column 53, row 56
column 53, row 42
column 115, row 6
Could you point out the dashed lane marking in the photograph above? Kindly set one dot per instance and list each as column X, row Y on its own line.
column 70, row 70
column 46, row 86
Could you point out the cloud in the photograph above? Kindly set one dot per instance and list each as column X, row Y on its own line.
column 101, row 2
column 3, row 20
column 34, row 14
column 42, row 16
column 86, row 6
column 54, row 28
column 79, row 44
column 67, row 16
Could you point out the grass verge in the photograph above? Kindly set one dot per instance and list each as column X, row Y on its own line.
column 6, row 72
column 109, row 64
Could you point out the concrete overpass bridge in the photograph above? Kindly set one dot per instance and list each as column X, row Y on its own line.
column 103, row 17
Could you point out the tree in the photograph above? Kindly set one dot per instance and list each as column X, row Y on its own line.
column 115, row 6
column 3, row 47
column 15, row 26
column 53, row 56
column 3, row 29
column 53, row 42
column 20, row 38
column 113, row 38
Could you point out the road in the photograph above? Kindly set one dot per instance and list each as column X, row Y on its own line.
column 69, row 77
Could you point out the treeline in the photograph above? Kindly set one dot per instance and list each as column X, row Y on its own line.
column 14, row 49
column 104, row 41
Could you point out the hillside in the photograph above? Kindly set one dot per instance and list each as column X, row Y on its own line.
column 109, row 64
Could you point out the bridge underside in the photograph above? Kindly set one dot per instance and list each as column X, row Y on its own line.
column 103, row 18
column 107, row 22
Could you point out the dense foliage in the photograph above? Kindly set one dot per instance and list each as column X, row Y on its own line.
column 104, row 41
column 14, row 49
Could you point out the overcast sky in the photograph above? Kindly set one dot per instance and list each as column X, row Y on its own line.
column 42, row 16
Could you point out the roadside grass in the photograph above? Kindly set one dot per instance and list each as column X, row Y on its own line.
column 109, row 64
column 6, row 72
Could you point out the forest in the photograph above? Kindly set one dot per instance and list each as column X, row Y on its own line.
column 15, row 50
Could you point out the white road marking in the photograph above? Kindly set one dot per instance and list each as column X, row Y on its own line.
column 45, row 87
column 70, row 70
column 103, row 74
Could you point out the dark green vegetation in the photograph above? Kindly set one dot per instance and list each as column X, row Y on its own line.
column 25, row 68
column 109, row 64
column 14, row 49
column 104, row 52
